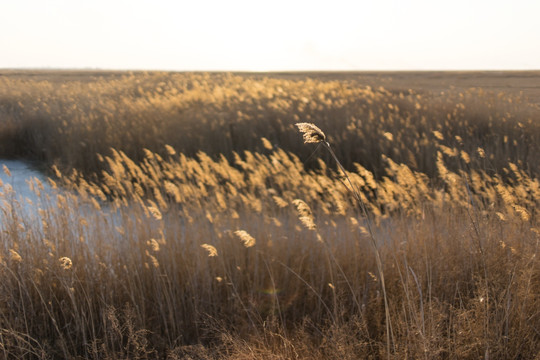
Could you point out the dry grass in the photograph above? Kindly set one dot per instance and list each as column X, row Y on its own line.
column 172, row 252
column 68, row 118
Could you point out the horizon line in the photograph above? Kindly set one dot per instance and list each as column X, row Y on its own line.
column 112, row 69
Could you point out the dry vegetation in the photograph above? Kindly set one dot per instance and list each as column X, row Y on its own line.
column 199, row 226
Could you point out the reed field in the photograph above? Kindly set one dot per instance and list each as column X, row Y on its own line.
column 270, row 216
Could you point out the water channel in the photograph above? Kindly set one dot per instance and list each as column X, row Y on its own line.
column 16, row 175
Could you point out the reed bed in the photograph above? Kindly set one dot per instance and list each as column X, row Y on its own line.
column 167, row 251
column 67, row 119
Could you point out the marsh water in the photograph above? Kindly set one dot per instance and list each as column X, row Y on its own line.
column 15, row 177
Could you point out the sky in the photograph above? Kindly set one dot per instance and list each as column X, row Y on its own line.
column 277, row 35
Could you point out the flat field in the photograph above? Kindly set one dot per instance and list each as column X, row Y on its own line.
column 190, row 219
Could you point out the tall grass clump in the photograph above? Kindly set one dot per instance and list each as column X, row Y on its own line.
column 262, row 248
column 181, row 255
column 68, row 118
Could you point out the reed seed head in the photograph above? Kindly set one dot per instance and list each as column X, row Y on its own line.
column 153, row 244
column 247, row 239
column 154, row 211
column 65, row 263
column 14, row 255
column 212, row 251
column 170, row 150
column 267, row 144
column 438, row 135
column 304, row 214
column 6, row 170
column 312, row 134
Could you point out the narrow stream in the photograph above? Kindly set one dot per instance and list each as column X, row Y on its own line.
column 16, row 192
column 15, row 176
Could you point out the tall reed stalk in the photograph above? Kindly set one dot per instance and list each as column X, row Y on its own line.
column 313, row 135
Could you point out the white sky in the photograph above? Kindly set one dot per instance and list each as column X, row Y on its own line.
column 270, row 35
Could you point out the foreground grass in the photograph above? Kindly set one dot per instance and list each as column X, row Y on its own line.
column 166, row 251
column 163, row 270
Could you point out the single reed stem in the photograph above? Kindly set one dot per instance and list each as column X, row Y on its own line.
column 356, row 194
column 312, row 134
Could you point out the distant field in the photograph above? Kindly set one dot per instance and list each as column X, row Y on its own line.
column 67, row 117
column 516, row 83
column 199, row 225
